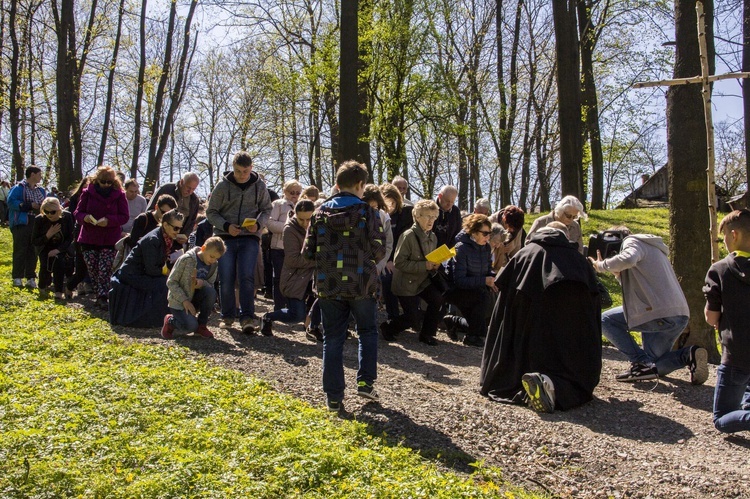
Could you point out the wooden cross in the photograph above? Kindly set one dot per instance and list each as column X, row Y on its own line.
column 705, row 80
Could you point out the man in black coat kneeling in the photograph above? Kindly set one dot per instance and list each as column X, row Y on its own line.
column 544, row 343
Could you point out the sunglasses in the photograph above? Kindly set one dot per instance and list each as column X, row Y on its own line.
column 50, row 212
column 175, row 227
column 295, row 193
column 106, row 182
column 569, row 216
column 485, row 233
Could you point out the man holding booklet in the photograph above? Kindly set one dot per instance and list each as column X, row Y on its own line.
column 238, row 209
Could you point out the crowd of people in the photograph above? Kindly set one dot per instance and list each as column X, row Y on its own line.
column 530, row 300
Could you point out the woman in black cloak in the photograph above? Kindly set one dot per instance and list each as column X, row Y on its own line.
column 544, row 345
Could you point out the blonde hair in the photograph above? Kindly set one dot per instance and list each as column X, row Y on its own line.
column 215, row 243
column 291, row 183
column 49, row 201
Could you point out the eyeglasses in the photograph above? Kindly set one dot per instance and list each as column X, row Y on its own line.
column 175, row 227
column 295, row 193
column 50, row 212
column 106, row 182
column 569, row 216
column 485, row 233
column 429, row 217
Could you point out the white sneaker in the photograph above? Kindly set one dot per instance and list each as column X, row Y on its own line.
column 31, row 283
column 541, row 391
column 18, row 283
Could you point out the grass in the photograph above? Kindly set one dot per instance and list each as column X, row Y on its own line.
column 85, row 414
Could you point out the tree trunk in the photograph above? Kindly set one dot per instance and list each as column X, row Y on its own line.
column 66, row 71
column 139, row 98
column 569, row 96
column 364, row 96
column 687, row 160
column 110, row 87
column 507, row 113
column 13, row 111
column 589, row 38
column 348, row 103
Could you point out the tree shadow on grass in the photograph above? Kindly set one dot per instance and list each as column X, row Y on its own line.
column 397, row 428
column 624, row 418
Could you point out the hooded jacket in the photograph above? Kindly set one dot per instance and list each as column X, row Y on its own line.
column 277, row 221
column 650, row 289
column 727, row 290
column 346, row 240
column 231, row 203
column 297, row 270
column 472, row 263
column 180, row 280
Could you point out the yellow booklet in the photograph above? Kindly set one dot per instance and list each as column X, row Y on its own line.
column 441, row 254
column 249, row 222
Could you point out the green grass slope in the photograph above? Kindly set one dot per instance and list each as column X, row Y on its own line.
column 85, row 414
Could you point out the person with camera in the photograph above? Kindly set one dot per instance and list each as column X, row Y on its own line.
column 654, row 305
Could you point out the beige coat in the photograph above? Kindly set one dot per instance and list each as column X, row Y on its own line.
column 410, row 277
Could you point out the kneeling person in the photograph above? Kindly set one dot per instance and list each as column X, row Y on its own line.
column 191, row 289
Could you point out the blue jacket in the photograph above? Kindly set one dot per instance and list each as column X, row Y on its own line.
column 147, row 257
column 472, row 263
column 18, row 209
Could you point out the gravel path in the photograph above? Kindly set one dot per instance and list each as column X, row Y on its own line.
column 648, row 439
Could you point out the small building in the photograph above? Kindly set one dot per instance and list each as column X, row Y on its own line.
column 652, row 193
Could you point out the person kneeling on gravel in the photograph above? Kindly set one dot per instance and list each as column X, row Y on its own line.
column 544, row 343
column 727, row 292
column 191, row 289
column 654, row 305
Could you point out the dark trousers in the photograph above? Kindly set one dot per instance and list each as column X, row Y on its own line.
column 473, row 305
column 265, row 243
column 52, row 270
column 391, row 301
column 24, row 256
column 410, row 317
column 277, row 261
column 81, row 271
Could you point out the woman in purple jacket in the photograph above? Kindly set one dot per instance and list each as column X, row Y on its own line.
column 101, row 210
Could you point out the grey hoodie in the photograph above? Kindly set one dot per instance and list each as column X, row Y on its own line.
column 232, row 203
column 650, row 289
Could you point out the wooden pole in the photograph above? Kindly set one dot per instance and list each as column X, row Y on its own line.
column 706, row 95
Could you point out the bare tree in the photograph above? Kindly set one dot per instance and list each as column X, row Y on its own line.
column 162, row 124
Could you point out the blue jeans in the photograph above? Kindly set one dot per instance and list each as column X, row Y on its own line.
column 314, row 313
column 335, row 321
column 238, row 264
column 731, row 396
column 203, row 300
column 657, row 336
column 295, row 312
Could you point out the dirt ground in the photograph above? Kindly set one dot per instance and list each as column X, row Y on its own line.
column 647, row 439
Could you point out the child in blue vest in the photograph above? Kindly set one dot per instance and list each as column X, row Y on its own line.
column 346, row 239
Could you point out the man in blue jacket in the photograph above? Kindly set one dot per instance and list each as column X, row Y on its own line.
column 24, row 201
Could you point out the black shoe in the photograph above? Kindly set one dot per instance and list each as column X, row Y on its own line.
column 451, row 327
column 266, row 328
column 698, row 365
column 473, row 341
column 335, row 405
column 428, row 340
column 314, row 334
column 367, row 391
column 102, row 303
column 638, row 372
column 387, row 331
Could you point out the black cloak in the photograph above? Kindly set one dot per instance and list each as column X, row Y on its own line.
column 547, row 319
